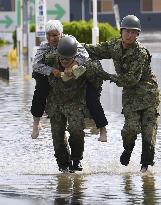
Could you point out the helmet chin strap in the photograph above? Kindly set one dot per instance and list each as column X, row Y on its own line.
column 72, row 61
column 126, row 45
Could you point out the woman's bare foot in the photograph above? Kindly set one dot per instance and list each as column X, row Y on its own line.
column 103, row 135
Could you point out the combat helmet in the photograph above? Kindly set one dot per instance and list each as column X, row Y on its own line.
column 130, row 22
column 67, row 47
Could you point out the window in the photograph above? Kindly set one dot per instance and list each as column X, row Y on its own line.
column 7, row 5
column 151, row 6
column 103, row 6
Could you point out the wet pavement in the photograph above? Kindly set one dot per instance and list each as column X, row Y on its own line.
column 28, row 170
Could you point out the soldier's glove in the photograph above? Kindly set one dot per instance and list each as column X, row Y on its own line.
column 107, row 76
column 65, row 78
column 78, row 71
column 111, row 77
column 56, row 73
column 68, row 72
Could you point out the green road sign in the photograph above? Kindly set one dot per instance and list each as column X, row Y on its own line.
column 18, row 10
column 32, row 15
column 58, row 12
column 7, row 21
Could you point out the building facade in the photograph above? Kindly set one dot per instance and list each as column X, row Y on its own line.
column 148, row 11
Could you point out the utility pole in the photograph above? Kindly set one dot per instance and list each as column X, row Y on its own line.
column 25, row 37
column 19, row 12
column 117, row 15
column 95, row 30
column 83, row 10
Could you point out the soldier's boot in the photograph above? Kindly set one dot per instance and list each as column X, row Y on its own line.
column 77, row 165
column 71, row 170
column 144, row 168
column 103, row 134
column 125, row 157
column 64, row 169
column 36, row 127
column 62, row 166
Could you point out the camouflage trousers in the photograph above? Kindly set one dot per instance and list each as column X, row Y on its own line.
column 144, row 122
column 71, row 149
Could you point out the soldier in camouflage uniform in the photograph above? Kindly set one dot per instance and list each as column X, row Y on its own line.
column 54, row 32
column 140, row 95
column 66, row 102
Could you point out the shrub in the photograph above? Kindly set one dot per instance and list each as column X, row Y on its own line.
column 32, row 28
column 3, row 42
column 82, row 30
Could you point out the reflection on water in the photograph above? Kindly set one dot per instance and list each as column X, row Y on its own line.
column 149, row 191
column 28, row 170
column 69, row 189
column 145, row 191
column 82, row 189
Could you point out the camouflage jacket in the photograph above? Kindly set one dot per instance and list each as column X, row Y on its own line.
column 73, row 92
column 140, row 88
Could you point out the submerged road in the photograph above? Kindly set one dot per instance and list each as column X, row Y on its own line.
column 28, row 170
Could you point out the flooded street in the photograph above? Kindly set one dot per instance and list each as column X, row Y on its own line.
column 28, row 170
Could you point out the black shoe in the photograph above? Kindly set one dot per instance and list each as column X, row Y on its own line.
column 71, row 167
column 125, row 157
column 144, row 168
column 77, row 165
column 63, row 169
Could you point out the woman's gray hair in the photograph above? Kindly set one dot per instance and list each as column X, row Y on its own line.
column 54, row 25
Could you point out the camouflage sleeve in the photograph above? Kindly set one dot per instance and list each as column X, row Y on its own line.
column 51, row 80
column 38, row 63
column 95, row 73
column 100, row 51
column 133, row 76
column 51, row 59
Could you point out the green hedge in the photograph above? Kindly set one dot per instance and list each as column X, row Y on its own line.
column 82, row 30
column 3, row 42
column 32, row 27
